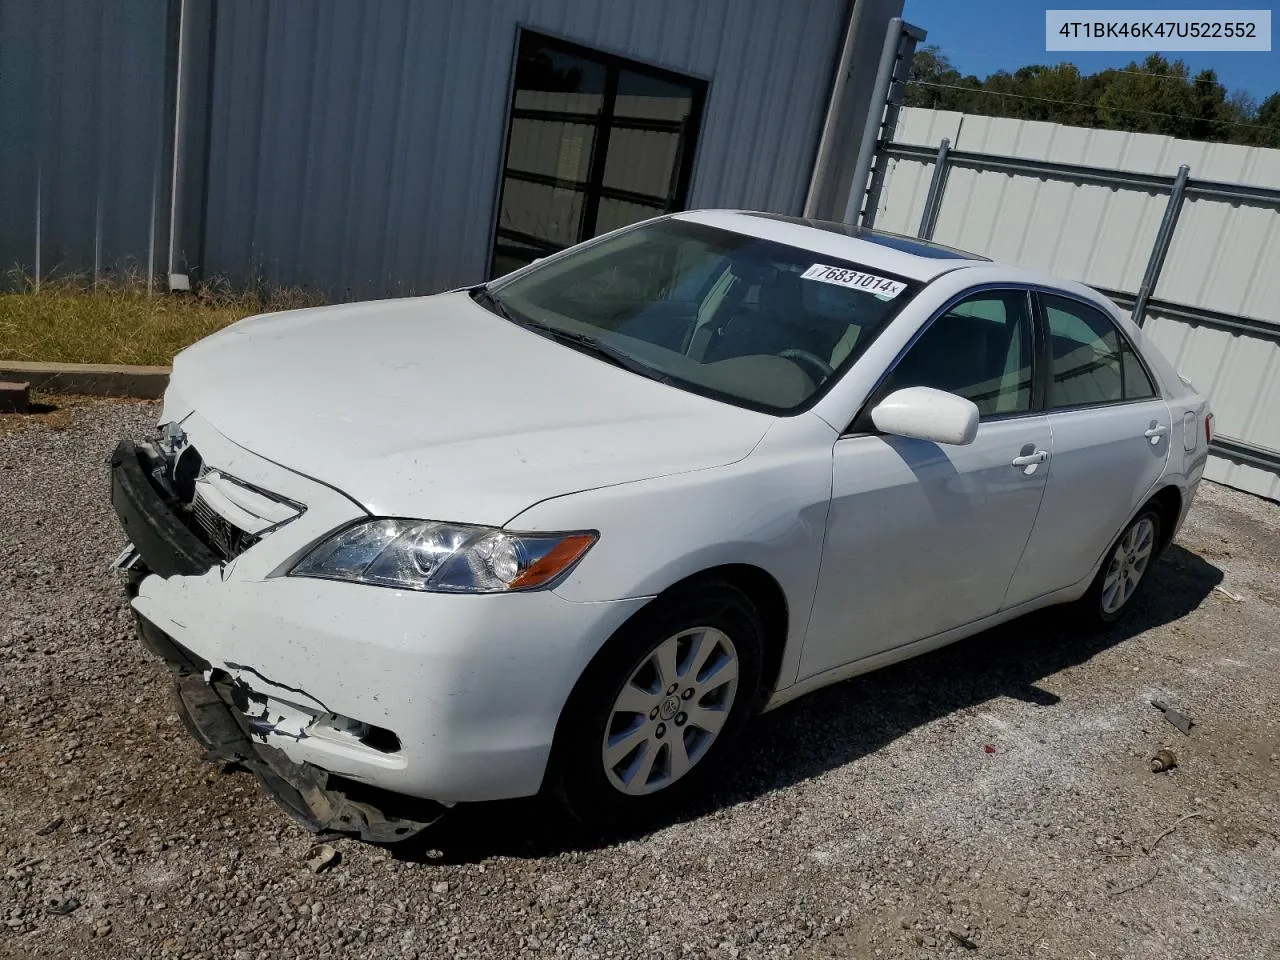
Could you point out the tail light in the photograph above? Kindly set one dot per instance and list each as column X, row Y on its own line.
column 1208, row 428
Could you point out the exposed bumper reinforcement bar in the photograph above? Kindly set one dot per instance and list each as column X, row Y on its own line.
column 166, row 546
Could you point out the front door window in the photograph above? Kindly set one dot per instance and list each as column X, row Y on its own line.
column 980, row 349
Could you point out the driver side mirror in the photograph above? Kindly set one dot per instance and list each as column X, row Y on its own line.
column 924, row 413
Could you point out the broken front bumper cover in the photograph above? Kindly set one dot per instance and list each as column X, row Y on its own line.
column 216, row 707
column 214, row 714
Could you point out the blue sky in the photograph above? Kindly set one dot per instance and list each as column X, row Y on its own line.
column 982, row 36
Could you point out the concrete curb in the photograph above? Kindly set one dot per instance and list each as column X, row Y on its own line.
column 91, row 379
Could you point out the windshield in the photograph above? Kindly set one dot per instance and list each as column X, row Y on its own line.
column 735, row 317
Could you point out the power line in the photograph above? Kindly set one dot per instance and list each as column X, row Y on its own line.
column 1090, row 106
column 1188, row 78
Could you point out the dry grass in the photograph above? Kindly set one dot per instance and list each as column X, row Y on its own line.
column 72, row 320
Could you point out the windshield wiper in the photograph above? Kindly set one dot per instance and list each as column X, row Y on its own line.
column 577, row 341
column 482, row 296
column 596, row 348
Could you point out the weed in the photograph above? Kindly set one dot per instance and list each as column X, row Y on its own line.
column 74, row 319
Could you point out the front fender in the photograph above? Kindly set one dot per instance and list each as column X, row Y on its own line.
column 768, row 511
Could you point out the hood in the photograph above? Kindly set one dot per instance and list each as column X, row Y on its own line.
column 435, row 408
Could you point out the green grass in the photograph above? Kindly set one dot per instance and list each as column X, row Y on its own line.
column 71, row 320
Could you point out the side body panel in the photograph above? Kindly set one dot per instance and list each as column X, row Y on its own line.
column 922, row 537
column 906, row 652
column 1103, row 468
column 1188, row 410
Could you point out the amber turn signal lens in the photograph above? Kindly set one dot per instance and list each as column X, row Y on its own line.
column 554, row 562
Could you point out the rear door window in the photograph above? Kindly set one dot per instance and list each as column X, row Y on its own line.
column 1093, row 363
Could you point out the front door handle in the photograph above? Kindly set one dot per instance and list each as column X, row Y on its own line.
column 1155, row 432
column 1029, row 461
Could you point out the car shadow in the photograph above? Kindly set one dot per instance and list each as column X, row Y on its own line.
column 842, row 723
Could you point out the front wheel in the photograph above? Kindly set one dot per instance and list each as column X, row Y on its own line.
column 660, row 706
column 1123, row 571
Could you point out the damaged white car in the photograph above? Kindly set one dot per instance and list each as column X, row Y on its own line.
column 566, row 531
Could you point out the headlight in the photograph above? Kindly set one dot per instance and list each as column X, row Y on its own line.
column 444, row 557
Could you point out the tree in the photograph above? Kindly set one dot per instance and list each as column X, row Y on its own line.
column 936, row 84
column 1155, row 96
column 1058, row 93
column 1266, row 133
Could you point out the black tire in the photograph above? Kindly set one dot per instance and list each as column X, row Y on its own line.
column 577, row 776
column 1090, row 609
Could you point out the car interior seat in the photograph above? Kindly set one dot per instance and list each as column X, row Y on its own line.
column 777, row 321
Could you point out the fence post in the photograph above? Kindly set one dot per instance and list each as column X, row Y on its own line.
column 933, row 201
column 1164, row 237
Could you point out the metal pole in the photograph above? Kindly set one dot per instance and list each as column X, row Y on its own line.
column 176, row 280
column 1164, row 237
column 871, row 132
column 929, row 219
column 911, row 35
column 827, row 147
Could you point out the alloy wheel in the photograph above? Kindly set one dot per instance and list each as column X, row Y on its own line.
column 1128, row 564
column 670, row 711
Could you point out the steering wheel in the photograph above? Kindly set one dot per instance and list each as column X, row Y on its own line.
column 812, row 360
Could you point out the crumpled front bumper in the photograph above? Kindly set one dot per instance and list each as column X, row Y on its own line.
column 218, row 709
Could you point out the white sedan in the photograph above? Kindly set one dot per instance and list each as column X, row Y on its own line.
column 567, row 531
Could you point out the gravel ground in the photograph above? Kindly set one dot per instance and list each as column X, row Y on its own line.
column 992, row 799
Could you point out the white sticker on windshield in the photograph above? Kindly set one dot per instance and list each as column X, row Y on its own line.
column 881, row 287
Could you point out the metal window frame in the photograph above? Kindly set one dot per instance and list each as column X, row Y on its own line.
column 593, row 188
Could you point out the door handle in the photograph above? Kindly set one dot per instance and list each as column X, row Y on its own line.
column 1031, row 460
column 1155, row 432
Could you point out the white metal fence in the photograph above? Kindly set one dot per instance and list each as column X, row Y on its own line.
column 1199, row 251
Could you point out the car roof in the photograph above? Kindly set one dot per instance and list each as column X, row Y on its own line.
column 893, row 253
column 905, row 256
column 898, row 241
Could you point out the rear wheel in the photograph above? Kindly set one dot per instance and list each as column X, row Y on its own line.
column 660, row 706
column 1124, row 571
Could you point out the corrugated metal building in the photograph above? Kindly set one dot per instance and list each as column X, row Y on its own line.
column 397, row 146
column 1215, row 311
column 83, row 118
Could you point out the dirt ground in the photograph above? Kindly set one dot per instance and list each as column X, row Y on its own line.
column 993, row 799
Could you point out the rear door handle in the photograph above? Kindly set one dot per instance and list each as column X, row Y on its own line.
column 1031, row 460
column 1155, row 432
